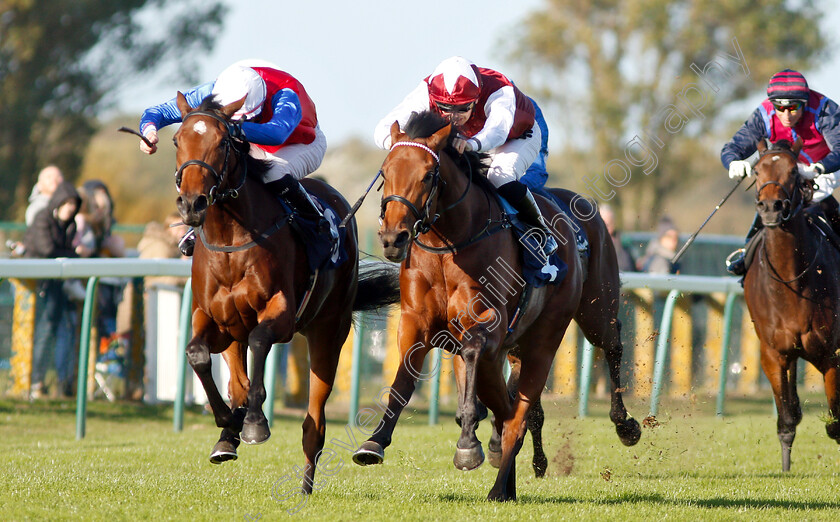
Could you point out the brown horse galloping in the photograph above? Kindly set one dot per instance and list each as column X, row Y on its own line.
column 792, row 290
column 450, row 238
column 251, row 281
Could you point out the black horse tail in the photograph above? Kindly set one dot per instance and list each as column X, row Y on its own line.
column 379, row 286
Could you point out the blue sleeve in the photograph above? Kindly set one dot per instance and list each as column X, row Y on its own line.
column 286, row 117
column 168, row 113
column 828, row 123
column 743, row 143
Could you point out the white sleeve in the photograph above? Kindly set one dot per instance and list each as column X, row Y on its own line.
column 416, row 101
column 500, row 109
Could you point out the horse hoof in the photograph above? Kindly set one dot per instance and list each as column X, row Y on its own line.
column 468, row 459
column 369, row 453
column 494, row 453
column 223, row 451
column 255, row 433
column 629, row 431
column 833, row 430
column 540, row 465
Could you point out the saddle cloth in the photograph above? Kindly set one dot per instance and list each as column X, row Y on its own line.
column 323, row 252
column 535, row 270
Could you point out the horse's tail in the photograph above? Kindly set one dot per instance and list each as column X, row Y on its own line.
column 379, row 286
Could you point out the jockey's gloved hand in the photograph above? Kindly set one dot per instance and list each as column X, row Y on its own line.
column 236, row 132
column 811, row 171
column 826, row 183
column 740, row 169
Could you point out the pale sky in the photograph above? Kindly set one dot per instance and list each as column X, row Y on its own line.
column 358, row 59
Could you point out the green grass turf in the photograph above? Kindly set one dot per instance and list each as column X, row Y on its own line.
column 132, row 466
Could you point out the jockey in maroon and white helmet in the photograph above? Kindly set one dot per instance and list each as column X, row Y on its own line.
column 491, row 115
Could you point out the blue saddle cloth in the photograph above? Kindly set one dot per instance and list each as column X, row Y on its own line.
column 326, row 251
column 535, row 270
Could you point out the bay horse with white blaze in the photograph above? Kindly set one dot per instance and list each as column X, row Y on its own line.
column 251, row 281
column 447, row 232
column 792, row 290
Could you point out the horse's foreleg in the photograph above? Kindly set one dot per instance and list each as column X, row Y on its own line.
column 198, row 355
column 776, row 369
column 468, row 452
column 413, row 350
column 460, row 376
column 255, row 429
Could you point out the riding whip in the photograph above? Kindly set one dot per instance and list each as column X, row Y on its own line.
column 358, row 204
column 694, row 235
column 136, row 133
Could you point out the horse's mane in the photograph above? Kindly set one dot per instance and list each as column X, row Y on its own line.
column 256, row 167
column 781, row 145
column 424, row 124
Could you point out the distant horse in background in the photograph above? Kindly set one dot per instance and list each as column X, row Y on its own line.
column 252, row 285
column 792, row 290
column 446, row 232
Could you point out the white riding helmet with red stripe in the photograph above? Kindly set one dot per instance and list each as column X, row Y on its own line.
column 455, row 81
column 237, row 81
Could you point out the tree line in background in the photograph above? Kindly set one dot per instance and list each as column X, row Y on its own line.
column 607, row 72
column 61, row 63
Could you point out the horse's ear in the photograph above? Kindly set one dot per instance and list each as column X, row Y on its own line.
column 439, row 139
column 797, row 146
column 761, row 145
column 183, row 105
column 395, row 131
column 231, row 108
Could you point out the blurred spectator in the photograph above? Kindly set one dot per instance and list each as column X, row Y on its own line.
column 626, row 263
column 51, row 236
column 660, row 251
column 48, row 179
column 160, row 241
column 94, row 239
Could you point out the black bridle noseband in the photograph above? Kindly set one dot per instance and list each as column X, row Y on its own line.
column 229, row 143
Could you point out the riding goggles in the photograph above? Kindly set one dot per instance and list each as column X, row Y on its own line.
column 788, row 105
column 445, row 107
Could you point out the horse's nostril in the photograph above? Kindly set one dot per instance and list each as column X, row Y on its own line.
column 200, row 204
column 401, row 240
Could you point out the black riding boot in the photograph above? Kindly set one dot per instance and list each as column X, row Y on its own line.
column 295, row 195
column 187, row 243
column 735, row 262
column 523, row 201
column 831, row 209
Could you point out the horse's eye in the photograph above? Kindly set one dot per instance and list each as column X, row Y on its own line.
column 175, row 142
column 428, row 177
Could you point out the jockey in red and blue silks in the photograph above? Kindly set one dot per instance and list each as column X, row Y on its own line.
column 278, row 118
column 792, row 110
column 492, row 116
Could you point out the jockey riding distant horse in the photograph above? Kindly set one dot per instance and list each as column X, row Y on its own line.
column 792, row 289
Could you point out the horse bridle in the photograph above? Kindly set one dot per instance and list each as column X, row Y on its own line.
column 424, row 220
column 789, row 199
column 228, row 142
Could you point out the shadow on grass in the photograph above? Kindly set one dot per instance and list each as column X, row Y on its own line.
column 708, row 503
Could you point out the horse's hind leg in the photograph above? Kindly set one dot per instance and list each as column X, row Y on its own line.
column 324, row 351
column 831, row 377
column 536, row 419
column 777, row 369
column 607, row 335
